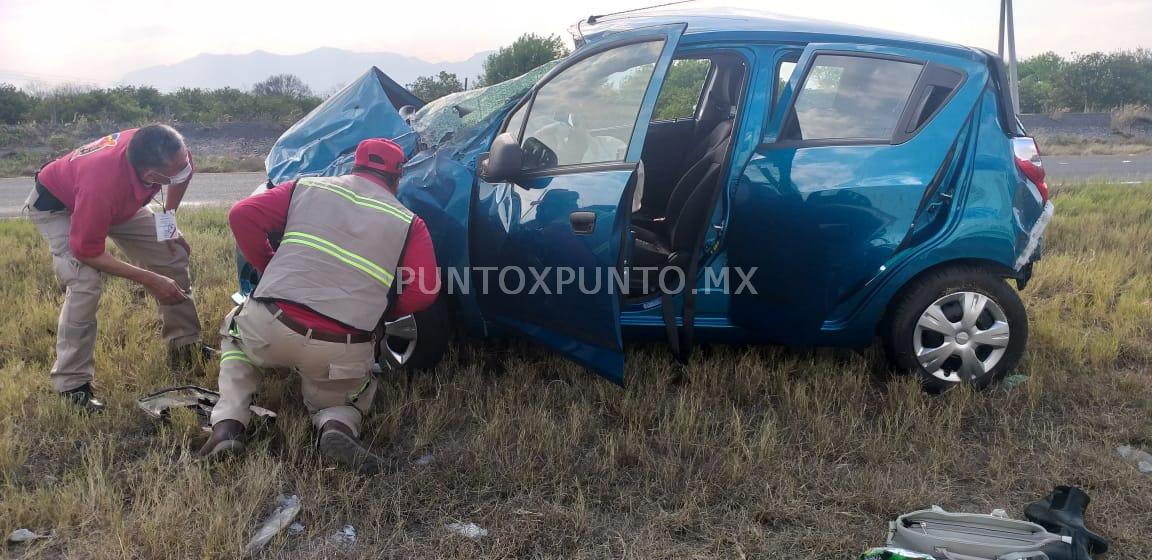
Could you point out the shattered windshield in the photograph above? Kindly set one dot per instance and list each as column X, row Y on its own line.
column 441, row 120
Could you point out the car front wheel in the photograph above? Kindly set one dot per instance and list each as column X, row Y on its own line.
column 416, row 342
column 957, row 325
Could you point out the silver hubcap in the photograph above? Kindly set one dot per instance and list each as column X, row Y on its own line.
column 961, row 337
column 399, row 340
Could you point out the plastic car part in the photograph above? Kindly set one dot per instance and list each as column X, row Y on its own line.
column 198, row 399
column 1062, row 512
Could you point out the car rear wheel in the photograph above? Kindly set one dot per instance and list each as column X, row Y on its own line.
column 957, row 325
column 418, row 341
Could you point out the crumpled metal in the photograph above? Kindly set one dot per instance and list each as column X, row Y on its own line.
column 198, row 399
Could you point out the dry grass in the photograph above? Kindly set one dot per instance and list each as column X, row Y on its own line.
column 764, row 453
column 1128, row 117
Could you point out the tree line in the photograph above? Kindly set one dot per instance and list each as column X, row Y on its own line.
column 1085, row 82
column 1048, row 83
column 282, row 97
column 525, row 53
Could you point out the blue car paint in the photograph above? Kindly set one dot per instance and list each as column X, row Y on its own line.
column 323, row 141
column 526, row 226
column 834, row 231
column 818, row 221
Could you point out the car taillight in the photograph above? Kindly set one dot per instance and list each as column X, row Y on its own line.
column 1028, row 161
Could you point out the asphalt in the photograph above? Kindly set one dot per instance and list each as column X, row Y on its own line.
column 226, row 188
column 206, row 189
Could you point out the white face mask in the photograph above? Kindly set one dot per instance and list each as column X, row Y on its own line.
column 178, row 178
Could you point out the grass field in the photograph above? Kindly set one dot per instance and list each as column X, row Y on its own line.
column 763, row 453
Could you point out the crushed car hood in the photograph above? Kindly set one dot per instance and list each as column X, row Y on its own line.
column 322, row 143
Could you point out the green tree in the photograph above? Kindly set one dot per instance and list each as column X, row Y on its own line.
column 1039, row 83
column 681, row 89
column 286, row 85
column 524, row 54
column 1099, row 81
column 14, row 104
column 429, row 88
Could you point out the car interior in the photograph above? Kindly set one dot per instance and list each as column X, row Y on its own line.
column 683, row 163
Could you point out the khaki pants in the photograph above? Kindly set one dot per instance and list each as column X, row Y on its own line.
column 336, row 377
column 76, row 332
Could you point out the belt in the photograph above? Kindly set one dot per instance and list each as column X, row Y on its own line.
column 299, row 328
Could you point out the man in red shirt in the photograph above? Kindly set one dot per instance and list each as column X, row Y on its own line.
column 100, row 191
column 347, row 241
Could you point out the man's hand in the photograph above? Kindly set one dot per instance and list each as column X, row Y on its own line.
column 165, row 290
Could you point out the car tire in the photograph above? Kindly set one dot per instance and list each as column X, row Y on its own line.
column 956, row 324
column 417, row 342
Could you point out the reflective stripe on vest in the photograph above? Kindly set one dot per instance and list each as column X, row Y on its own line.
column 345, row 256
column 354, row 198
column 340, row 250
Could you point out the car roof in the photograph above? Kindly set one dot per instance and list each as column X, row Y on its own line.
column 721, row 24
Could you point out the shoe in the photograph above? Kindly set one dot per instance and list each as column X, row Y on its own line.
column 190, row 358
column 338, row 443
column 227, row 439
column 84, row 398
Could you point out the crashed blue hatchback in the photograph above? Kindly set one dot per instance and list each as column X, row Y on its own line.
column 722, row 177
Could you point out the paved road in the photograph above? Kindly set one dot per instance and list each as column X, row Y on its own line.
column 206, row 188
column 226, row 188
column 1072, row 169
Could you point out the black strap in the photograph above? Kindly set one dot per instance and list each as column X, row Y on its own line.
column 45, row 200
column 688, row 328
column 666, row 301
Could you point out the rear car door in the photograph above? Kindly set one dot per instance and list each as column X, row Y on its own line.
column 546, row 244
column 851, row 155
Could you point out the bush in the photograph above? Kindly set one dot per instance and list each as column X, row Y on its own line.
column 61, row 143
column 1128, row 117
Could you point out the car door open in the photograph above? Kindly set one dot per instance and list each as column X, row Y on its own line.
column 554, row 198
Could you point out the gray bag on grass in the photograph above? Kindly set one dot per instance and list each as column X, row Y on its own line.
column 973, row 536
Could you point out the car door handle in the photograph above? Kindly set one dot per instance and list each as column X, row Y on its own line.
column 583, row 222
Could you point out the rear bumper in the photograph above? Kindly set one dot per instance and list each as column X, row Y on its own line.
column 1031, row 252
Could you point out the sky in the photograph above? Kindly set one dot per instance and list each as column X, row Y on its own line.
column 97, row 42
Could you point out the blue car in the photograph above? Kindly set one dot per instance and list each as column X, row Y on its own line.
column 729, row 178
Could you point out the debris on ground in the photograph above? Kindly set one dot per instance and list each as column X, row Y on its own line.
column 892, row 553
column 424, row 460
column 1013, row 381
column 1142, row 459
column 200, row 400
column 470, row 530
column 286, row 509
column 24, row 535
column 295, row 528
column 347, row 535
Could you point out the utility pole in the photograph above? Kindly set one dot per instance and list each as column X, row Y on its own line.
column 1008, row 36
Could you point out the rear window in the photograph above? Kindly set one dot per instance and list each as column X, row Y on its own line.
column 852, row 97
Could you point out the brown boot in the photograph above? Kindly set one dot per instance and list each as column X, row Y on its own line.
column 338, row 443
column 227, row 438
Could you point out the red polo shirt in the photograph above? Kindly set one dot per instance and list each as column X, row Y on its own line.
column 99, row 186
column 253, row 218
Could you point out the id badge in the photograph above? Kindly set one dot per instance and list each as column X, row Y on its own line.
column 166, row 226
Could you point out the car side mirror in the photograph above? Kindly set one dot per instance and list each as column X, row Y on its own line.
column 505, row 159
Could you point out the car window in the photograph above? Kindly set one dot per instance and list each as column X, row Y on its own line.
column 586, row 113
column 852, row 97
column 515, row 121
column 681, row 90
column 784, row 72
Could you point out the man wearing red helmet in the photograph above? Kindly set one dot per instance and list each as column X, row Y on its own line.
column 321, row 294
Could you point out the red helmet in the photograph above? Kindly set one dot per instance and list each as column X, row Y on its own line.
column 380, row 154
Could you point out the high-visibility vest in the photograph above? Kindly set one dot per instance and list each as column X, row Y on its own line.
column 340, row 250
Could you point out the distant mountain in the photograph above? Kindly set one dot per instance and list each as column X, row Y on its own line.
column 322, row 69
